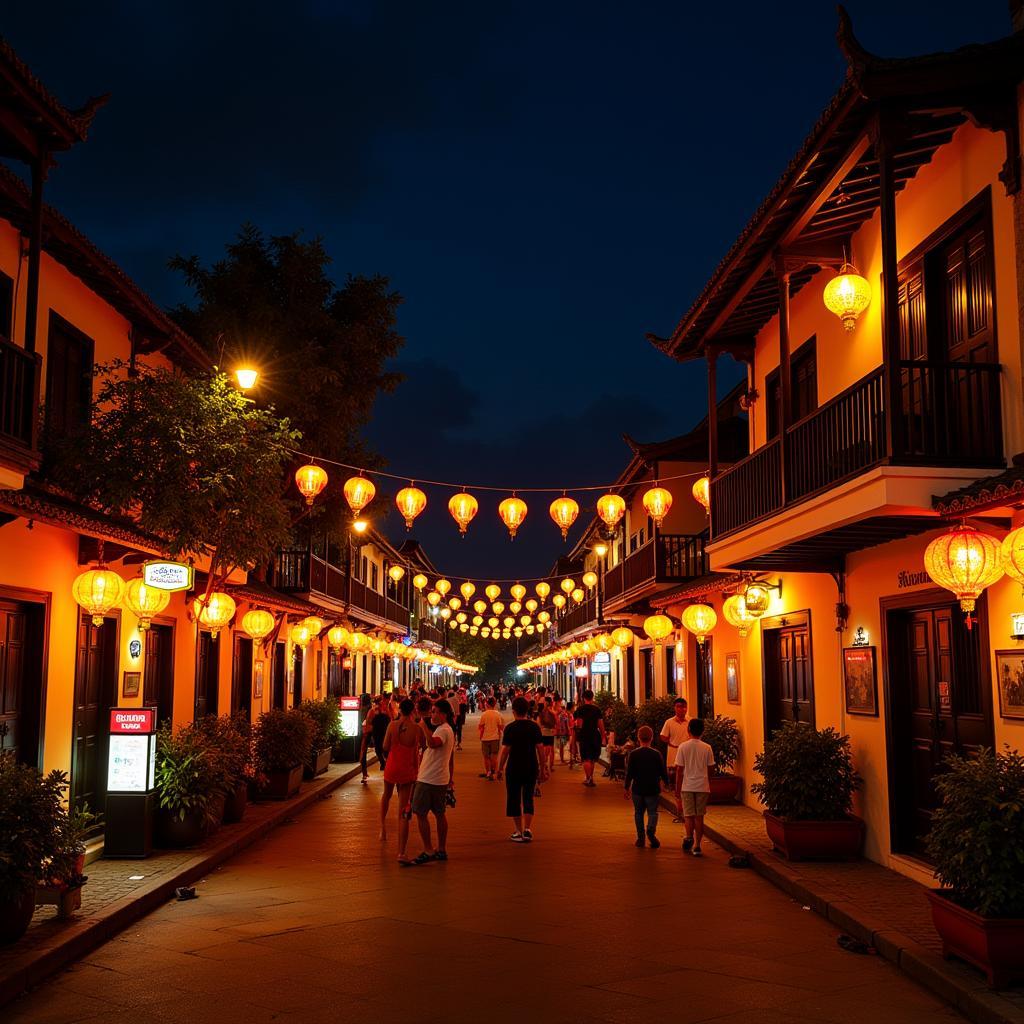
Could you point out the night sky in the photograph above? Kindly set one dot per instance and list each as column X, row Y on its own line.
column 543, row 183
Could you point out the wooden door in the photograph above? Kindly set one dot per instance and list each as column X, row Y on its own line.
column 630, row 659
column 95, row 694
column 647, row 656
column 941, row 705
column 788, row 676
column 705, row 689
column 158, row 673
column 241, row 676
column 670, row 669
column 297, row 661
column 21, row 674
column 69, row 355
column 335, row 684
column 280, row 681
column 207, row 674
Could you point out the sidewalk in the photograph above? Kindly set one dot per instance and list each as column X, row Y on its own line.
column 885, row 909
column 121, row 891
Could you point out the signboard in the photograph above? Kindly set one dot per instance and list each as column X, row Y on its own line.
column 132, row 721
column 168, row 576
column 349, row 715
column 601, row 664
column 944, row 699
column 131, row 752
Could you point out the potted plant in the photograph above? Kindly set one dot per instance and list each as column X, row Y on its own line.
column 227, row 739
column 64, row 877
column 280, row 745
column 32, row 812
column 186, row 780
column 808, row 782
column 324, row 714
column 723, row 736
column 620, row 720
column 655, row 713
column 976, row 842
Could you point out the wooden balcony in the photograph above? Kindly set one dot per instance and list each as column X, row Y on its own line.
column 949, row 416
column 576, row 616
column 19, row 407
column 666, row 558
column 431, row 633
column 302, row 572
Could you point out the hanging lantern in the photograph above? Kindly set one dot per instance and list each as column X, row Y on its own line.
column 464, row 627
column 479, row 607
column 258, row 624
column 657, row 501
column 702, row 492
column 558, row 600
column 98, row 591
column 518, row 591
column 508, row 622
column 463, row 507
column 442, row 587
column 337, row 636
column 736, row 614
column 1011, row 555
column 578, row 594
column 486, row 631
column 396, row 572
column 506, row 634
column 446, row 613
column 454, row 603
column 299, row 634
column 314, row 624
column 467, row 590
column 419, row 581
column 461, row 617
column 568, row 585
column 543, row 589
column 358, row 642
column 310, row 480
column 590, row 580
column 531, row 605
column 756, row 597
column 517, row 632
column 515, row 607
column 605, row 641
column 473, row 630
column 544, row 617
column 530, row 630
column 145, row 601
column 541, row 626
column 411, row 501
column 498, row 607
column 847, row 295
column 215, row 611
column 564, row 511
column 377, row 646
column 492, row 591
column 493, row 622
column 524, row 620
column 433, row 599
column 964, row 561
column 657, row 627
column 513, row 512
column 611, row 508
column 358, row 493
column 700, row 619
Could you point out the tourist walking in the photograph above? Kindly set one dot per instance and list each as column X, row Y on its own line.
column 674, row 733
column 490, row 727
column 434, row 779
column 402, row 745
column 366, row 737
column 523, row 764
column 645, row 775
column 380, row 719
column 548, row 722
column 590, row 735
column 563, row 729
column 694, row 761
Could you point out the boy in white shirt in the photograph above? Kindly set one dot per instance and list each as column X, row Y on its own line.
column 694, row 761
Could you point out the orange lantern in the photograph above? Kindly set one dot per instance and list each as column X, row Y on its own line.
column 479, row 607
column 702, row 492
column 657, row 501
column 433, row 599
column 564, row 511
column 310, row 480
column 467, row 590
column 558, row 600
column 498, row 607
column 463, row 507
column 396, row 572
column 622, row 637
column 518, row 591
column 358, row 493
column 145, row 601
column 411, row 501
column 578, row 594
column 964, row 561
column 97, row 591
column 700, row 619
column 736, row 614
column 492, row 591
column 513, row 512
column 657, row 627
column 590, row 580
column 214, row 611
column 611, row 508
column 543, row 589
column 568, row 585
column 258, row 624
column 442, row 587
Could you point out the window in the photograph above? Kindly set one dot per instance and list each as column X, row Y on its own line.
column 803, row 388
column 6, row 307
column 68, row 378
column 374, row 575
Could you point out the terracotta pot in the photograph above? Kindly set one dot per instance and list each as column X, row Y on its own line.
column 176, row 833
column 15, row 916
column 994, row 945
column 725, row 789
column 816, row 840
column 282, row 784
column 319, row 763
column 234, row 806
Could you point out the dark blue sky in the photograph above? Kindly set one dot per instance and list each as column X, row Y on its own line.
column 542, row 182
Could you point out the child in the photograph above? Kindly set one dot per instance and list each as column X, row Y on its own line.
column 694, row 761
column 645, row 775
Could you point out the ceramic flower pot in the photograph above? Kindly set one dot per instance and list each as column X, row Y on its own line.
column 281, row 785
column 816, row 840
column 725, row 789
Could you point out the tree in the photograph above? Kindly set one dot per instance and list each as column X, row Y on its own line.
column 189, row 460
column 493, row 659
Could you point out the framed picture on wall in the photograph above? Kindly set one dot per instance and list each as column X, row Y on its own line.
column 860, row 680
column 257, row 680
column 732, row 677
column 1010, row 673
column 132, row 684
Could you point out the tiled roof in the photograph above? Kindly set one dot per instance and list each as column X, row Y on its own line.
column 701, row 587
column 1006, row 488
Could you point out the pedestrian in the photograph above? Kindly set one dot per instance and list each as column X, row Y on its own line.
column 490, row 727
column 694, row 761
column 645, row 775
column 674, row 733
column 365, row 728
column 574, row 748
column 522, row 753
column 379, row 722
column 461, row 710
column 590, row 735
column 548, row 722
column 433, row 781
column 402, row 745
column 562, row 729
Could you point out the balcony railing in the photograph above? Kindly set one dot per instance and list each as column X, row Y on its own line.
column 19, row 404
column 949, row 416
column 431, row 633
column 302, row 572
column 578, row 615
column 664, row 558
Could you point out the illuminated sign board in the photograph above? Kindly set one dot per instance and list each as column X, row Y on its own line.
column 349, row 715
column 131, row 752
column 168, row 576
column 601, row 663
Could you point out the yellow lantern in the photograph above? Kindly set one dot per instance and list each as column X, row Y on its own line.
column 506, row 634
column 702, row 492
column 454, row 603
column 517, row 632
column 299, row 634
column 524, row 620
column 700, row 619
column 359, row 492
column 515, row 607
column 215, row 611
column 564, row 511
column 622, row 637
column 478, row 620
column 463, row 507
column 467, row 590
column 98, row 591
column 544, row 617
column 433, row 599
column 358, row 642
column 531, row 605
column 590, row 580
column 508, row 622
column 530, row 630
column 337, row 637
column 558, row 600
column 145, row 601
column 492, row 591
column 518, row 591
column 498, row 607
column 493, row 622
column 964, row 561
column 258, row 624
column 473, row 630
column 568, row 585
column 310, row 480
column 657, row 501
column 442, row 587
column 411, row 501
column 479, row 607
column 513, row 512
column 461, row 617
column 604, row 641
column 756, row 597
column 541, row 626
column 464, row 627
column 486, row 631
column 1012, row 555
column 543, row 589
column 396, row 572
column 578, row 594
column 657, row 627
column 446, row 613
column 736, row 614
column 419, row 581
column 611, row 508
column 314, row 624
column 847, row 295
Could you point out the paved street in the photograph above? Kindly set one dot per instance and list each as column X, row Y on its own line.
column 317, row 923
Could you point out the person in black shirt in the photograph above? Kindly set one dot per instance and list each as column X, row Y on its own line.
column 522, row 753
column 645, row 775
column 590, row 734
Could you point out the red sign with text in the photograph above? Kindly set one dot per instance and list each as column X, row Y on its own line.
column 132, row 721
column 349, row 703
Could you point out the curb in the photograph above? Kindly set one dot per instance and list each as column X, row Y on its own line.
column 81, row 937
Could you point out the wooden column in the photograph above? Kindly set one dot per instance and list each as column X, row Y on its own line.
column 35, row 253
column 785, row 374
column 712, row 357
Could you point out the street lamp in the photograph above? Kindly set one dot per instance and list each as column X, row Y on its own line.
column 246, row 377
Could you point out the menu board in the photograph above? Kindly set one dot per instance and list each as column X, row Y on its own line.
column 131, row 763
column 349, row 715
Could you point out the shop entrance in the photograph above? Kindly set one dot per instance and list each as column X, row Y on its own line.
column 630, row 659
column 22, row 628
column 705, row 690
column 158, row 674
column 939, row 696
column 788, row 673
column 280, row 672
column 241, row 676
column 95, row 695
column 207, row 674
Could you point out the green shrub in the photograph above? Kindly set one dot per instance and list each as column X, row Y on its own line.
column 326, row 718
column 604, row 699
column 620, row 718
column 226, row 740
column 188, row 774
column 808, row 774
column 723, row 736
column 655, row 713
column 282, row 740
column 977, row 835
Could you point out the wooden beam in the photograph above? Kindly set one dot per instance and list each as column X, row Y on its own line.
column 785, row 379
column 712, row 358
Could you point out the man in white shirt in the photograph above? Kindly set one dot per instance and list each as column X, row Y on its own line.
column 674, row 734
column 433, row 780
column 694, row 761
column 491, row 726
